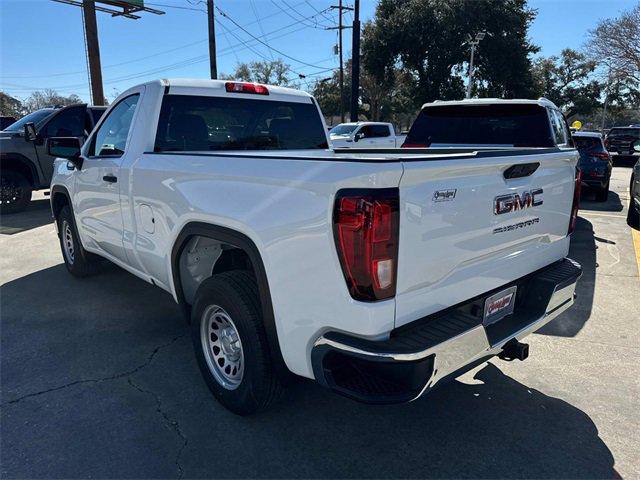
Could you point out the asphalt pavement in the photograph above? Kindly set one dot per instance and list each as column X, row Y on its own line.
column 98, row 379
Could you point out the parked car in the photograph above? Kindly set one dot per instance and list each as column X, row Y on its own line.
column 620, row 140
column 25, row 164
column 6, row 121
column 633, row 215
column 365, row 135
column 378, row 275
column 489, row 123
column 595, row 163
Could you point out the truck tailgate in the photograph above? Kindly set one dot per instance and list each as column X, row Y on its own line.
column 456, row 244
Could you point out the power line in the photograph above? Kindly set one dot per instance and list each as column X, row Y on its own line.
column 302, row 62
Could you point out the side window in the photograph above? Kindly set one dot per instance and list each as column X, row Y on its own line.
column 69, row 122
column 111, row 137
column 380, row 131
column 565, row 128
column 556, row 128
column 367, row 131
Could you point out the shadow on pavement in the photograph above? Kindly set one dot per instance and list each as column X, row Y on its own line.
column 37, row 214
column 583, row 251
column 57, row 329
column 587, row 202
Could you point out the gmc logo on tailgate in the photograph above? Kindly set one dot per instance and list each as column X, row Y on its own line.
column 514, row 201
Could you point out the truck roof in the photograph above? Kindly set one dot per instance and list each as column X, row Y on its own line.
column 543, row 102
column 199, row 86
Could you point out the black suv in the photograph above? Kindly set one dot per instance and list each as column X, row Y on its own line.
column 620, row 140
column 25, row 164
column 595, row 163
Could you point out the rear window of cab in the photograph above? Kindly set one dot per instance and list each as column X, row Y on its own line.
column 197, row 123
column 515, row 125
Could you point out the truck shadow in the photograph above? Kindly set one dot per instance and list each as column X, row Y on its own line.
column 587, row 202
column 37, row 214
column 582, row 250
column 497, row 427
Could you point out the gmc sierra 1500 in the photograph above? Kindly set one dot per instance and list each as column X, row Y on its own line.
column 379, row 275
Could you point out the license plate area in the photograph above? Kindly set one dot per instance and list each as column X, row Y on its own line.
column 499, row 305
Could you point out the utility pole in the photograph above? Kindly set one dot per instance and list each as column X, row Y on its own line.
column 355, row 61
column 474, row 43
column 212, row 40
column 93, row 51
column 340, row 27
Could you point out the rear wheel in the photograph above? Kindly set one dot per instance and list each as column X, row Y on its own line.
column 78, row 261
column 603, row 193
column 231, row 345
column 15, row 192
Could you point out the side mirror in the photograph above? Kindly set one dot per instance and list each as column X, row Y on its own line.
column 358, row 136
column 66, row 147
column 30, row 134
column 636, row 146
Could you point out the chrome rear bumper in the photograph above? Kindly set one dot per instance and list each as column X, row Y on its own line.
column 423, row 354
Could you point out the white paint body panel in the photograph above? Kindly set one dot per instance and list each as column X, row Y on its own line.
column 283, row 201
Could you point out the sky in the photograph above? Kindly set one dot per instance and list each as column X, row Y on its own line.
column 42, row 41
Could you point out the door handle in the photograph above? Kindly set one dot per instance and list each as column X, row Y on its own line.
column 110, row 178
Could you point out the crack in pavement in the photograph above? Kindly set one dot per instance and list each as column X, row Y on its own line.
column 172, row 424
column 96, row 380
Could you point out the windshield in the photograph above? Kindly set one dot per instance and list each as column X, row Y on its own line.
column 587, row 143
column 343, row 129
column 507, row 124
column 35, row 117
column 619, row 132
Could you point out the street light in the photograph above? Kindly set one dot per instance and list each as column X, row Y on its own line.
column 474, row 43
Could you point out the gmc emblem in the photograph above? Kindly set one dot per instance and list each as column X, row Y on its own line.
column 514, row 201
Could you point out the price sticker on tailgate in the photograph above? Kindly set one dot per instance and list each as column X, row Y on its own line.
column 499, row 305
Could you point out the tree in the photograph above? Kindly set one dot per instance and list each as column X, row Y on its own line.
column 568, row 82
column 615, row 43
column 274, row 72
column 48, row 98
column 10, row 106
column 425, row 39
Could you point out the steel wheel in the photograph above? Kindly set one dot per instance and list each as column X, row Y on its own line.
column 67, row 242
column 222, row 347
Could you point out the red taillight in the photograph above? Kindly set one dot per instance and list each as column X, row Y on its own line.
column 602, row 155
column 365, row 227
column 413, row 145
column 241, row 87
column 576, row 203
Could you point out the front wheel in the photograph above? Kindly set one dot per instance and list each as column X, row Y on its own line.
column 78, row 261
column 15, row 192
column 231, row 345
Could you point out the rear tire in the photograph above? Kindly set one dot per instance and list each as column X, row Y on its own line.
column 603, row 194
column 231, row 345
column 15, row 192
column 78, row 261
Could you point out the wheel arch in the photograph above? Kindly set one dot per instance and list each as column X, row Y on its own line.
column 240, row 240
column 59, row 197
column 21, row 164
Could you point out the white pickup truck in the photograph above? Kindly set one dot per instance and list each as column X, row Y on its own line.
column 365, row 135
column 379, row 275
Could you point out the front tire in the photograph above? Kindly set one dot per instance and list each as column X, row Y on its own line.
column 15, row 192
column 231, row 345
column 78, row 261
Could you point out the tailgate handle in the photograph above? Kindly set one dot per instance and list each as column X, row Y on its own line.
column 521, row 170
